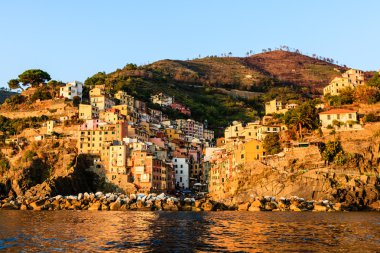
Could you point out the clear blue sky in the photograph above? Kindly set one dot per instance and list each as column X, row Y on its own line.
column 74, row 39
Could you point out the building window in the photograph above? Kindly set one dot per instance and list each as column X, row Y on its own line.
column 181, row 171
column 350, row 116
column 338, row 116
column 329, row 117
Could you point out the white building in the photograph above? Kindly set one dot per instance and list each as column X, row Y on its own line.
column 181, row 167
column 71, row 90
column 118, row 159
column 162, row 99
column 263, row 131
column 345, row 117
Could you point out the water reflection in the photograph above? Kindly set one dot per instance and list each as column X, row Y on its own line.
column 84, row 231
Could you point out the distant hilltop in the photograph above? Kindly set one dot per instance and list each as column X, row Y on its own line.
column 252, row 73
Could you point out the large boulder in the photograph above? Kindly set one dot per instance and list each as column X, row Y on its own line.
column 320, row 208
column 115, row 206
column 9, row 206
column 294, row 208
column 94, row 207
column 37, row 205
column 269, row 206
column 243, row 206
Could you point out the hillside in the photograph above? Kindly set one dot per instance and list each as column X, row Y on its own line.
column 255, row 73
column 212, row 87
column 4, row 94
column 296, row 69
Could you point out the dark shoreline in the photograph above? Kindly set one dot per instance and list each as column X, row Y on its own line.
column 162, row 202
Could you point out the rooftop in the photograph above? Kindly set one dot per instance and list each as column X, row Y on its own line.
column 338, row 111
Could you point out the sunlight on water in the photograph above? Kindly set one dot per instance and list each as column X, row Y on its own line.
column 84, row 231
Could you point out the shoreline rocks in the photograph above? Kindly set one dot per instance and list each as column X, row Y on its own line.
column 152, row 202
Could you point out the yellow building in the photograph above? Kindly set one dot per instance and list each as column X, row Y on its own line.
column 93, row 141
column 275, row 106
column 111, row 116
column 87, row 111
column 238, row 130
column 125, row 99
column 250, row 131
column 127, row 111
column 350, row 79
column 234, row 131
column 253, row 151
column 100, row 99
column 101, row 102
column 49, row 127
column 174, row 134
column 97, row 91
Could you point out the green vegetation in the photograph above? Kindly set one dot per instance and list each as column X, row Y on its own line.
column 15, row 126
column 346, row 96
column 271, row 144
column 375, row 80
column 367, row 94
column 31, row 77
column 302, row 117
column 14, row 84
column 371, row 117
column 205, row 103
column 97, row 79
column 15, row 100
column 4, row 164
column 330, row 150
column 42, row 93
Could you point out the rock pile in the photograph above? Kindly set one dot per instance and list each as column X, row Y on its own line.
column 120, row 202
column 108, row 202
column 297, row 204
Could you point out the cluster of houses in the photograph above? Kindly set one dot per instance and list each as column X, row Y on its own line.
column 168, row 101
column 350, row 79
column 131, row 143
column 243, row 143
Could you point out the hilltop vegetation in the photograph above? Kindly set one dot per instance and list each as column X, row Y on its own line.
column 4, row 94
column 288, row 76
column 258, row 72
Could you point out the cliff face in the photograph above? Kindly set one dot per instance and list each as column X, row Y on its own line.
column 50, row 167
column 303, row 175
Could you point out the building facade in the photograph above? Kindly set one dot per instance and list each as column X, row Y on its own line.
column 71, row 90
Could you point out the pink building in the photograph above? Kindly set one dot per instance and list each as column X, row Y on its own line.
column 91, row 124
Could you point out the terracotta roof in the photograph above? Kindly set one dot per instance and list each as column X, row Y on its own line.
column 338, row 111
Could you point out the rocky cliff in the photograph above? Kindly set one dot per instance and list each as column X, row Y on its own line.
column 302, row 173
column 49, row 167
